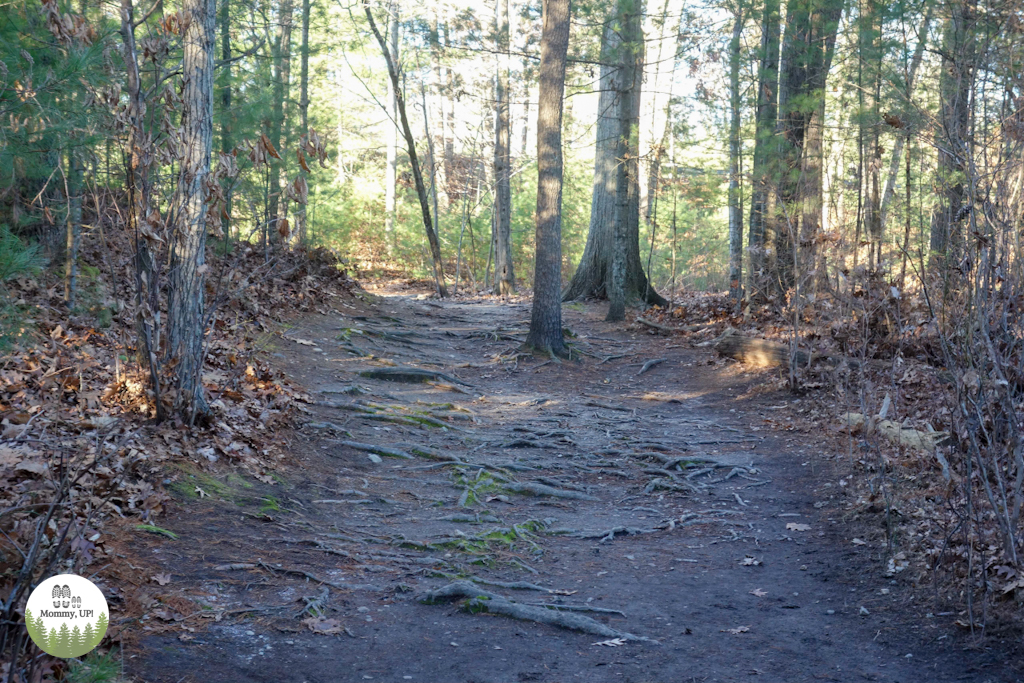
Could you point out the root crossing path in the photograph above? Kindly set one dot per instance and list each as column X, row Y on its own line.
column 454, row 511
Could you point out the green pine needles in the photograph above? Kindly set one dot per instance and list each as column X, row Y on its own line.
column 67, row 642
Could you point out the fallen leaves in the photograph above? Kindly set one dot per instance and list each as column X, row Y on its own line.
column 161, row 579
column 614, row 642
column 324, row 626
column 758, row 593
column 749, row 561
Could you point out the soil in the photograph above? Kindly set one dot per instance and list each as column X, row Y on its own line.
column 741, row 567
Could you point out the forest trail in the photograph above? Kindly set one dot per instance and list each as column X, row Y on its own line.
column 673, row 507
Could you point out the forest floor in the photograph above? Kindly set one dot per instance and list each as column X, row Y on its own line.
column 667, row 499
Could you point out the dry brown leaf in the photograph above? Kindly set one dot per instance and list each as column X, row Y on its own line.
column 161, row 579
column 323, row 626
column 759, row 593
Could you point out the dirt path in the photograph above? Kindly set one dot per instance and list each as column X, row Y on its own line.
column 660, row 498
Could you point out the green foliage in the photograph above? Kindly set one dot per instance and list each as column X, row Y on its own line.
column 95, row 668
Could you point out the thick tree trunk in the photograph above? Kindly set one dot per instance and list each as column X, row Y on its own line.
column 546, row 317
column 300, row 210
column 627, row 204
column 806, row 55
column 390, row 174
column 735, row 208
column 765, row 149
column 410, row 144
column 504, row 275
column 186, row 316
column 278, row 129
column 593, row 274
column 226, row 142
column 959, row 54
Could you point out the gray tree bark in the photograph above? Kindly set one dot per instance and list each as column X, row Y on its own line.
column 504, row 275
column 593, row 273
column 546, row 317
column 300, row 210
column 187, row 275
column 226, row 142
column 391, row 139
column 735, row 207
column 278, row 128
column 410, row 144
column 627, row 202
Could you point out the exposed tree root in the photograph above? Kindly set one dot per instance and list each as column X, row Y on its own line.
column 410, row 376
column 543, row 490
column 480, row 600
column 379, row 450
column 650, row 364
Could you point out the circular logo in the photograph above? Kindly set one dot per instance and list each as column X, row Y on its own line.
column 66, row 616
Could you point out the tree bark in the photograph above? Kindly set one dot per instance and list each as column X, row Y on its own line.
column 187, row 277
column 593, row 273
column 226, row 143
column 811, row 27
column 735, row 208
column 278, row 129
column 300, row 210
column 765, row 148
column 627, row 204
column 897, row 150
column 74, row 227
column 504, row 275
column 546, row 318
column 410, row 143
column 390, row 175
column 959, row 54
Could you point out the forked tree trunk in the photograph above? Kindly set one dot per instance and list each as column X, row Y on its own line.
column 546, row 317
column 504, row 275
column 410, row 144
column 186, row 315
column 593, row 274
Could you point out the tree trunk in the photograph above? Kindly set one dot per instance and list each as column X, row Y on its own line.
column 410, row 143
column 765, row 148
column 300, row 210
column 278, row 129
column 546, row 317
column 655, row 101
column 627, row 204
column 870, row 55
column 806, row 55
column 504, row 279
column 226, row 143
column 735, row 209
column 955, row 86
column 391, row 138
column 593, row 274
column 185, row 302
column 897, row 150
column 74, row 227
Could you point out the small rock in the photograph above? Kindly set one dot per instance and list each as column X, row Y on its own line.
column 363, row 609
column 830, row 611
column 864, row 611
column 250, row 633
column 375, row 458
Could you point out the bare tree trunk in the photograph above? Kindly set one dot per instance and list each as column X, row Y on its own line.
column 390, row 175
column 504, row 279
column 185, row 302
column 593, row 273
column 735, row 209
column 410, row 143
column 74, row 227
column 627, row 205
column 959, row 54
column 226, row 143
column 278, row 129
column 546, row 318
column 897, row 150
column 300, row 211
column 765, row 147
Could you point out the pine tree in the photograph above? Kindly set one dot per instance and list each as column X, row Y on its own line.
column 63, row 645
column 88, row 636
column 51, row 642
column 35, row 628
column 101, row 629
column 77, row 644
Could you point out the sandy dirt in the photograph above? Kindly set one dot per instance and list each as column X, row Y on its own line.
column 734, row 564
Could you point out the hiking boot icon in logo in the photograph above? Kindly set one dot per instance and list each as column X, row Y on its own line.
column 62, row 597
